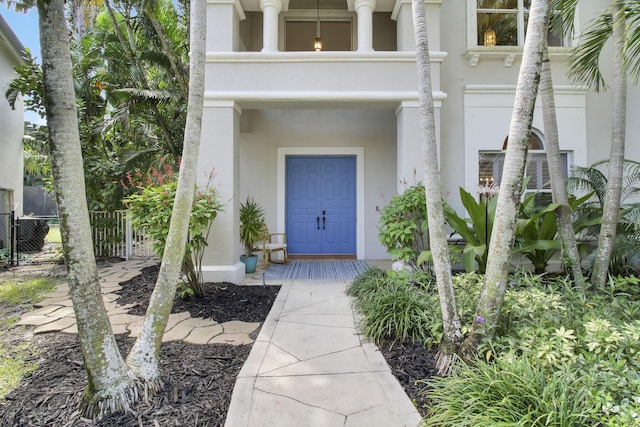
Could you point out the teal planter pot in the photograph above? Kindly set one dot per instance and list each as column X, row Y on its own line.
column 250, row 263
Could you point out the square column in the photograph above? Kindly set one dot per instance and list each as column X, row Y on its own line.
column 223, row 23
column 219, row 154
column 410, row 154
column 403, row 14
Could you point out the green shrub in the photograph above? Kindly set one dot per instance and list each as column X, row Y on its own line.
column 393, row 308
column 150, row 211
column 508, row 392
column 403, row 226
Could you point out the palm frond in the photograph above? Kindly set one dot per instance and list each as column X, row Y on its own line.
column 585, row 58
column 564, row 15
column 147, row 94
column 632, row 48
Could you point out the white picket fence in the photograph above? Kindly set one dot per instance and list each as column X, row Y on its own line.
column 114, row 236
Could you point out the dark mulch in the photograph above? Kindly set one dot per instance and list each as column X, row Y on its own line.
column 198, row 380
column 411, row 362
column 221, row 302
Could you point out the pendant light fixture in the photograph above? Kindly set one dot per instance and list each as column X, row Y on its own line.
column 317, row 43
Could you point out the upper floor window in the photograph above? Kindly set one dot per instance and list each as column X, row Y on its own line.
column 504, row 23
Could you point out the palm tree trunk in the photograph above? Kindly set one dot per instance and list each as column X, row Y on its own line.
column 111, row 386
column 504, row 225
column 437, row 235
column 144, row 355
column 611, row 208
column 558, row 186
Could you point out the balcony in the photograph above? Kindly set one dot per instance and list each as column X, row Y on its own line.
column 259, row 79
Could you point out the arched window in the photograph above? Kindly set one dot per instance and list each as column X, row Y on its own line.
column 537, row 169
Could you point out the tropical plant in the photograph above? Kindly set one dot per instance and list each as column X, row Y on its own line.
column 475, row 230
column 251, row 225
column 537, row 229
column 124, row 123
column 508, row 391
column 621, row 24
column 150, row 210
column 393, row 309
column 403, row 226
column 625, row 256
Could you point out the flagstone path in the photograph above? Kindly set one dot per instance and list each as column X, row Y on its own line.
column 55, row 313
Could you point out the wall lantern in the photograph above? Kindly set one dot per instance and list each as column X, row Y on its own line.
column 317, row 43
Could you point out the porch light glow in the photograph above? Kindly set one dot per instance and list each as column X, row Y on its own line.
column 490, row 37
column 317, row 43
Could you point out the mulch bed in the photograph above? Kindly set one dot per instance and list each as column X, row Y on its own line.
column 198, row 380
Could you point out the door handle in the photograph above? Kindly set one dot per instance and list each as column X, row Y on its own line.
column 318, row 222
column 324, row 221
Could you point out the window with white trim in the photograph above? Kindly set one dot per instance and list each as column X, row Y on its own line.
column 490, row 164
column 504, row 23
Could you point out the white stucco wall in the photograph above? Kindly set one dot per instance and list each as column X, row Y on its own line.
column 265, row 131
column 11, row 126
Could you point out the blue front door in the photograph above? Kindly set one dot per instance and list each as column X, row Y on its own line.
column 321, row 205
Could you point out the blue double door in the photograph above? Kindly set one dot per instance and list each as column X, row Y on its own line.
column 321, row 205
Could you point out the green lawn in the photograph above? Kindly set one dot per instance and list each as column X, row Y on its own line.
column 54, row 234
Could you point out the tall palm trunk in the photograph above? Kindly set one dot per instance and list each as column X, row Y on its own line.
column 110, row 383
column 504, row 224
column 611, row 208
column 144, row 355
column 437, row 235
column 558, row 186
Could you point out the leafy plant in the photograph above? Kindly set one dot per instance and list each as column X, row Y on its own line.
column 475, row 230
column 508, row 392
column 392, row 308
column 626, row 253
column 403, row 226
column 150, row 211
column 251, row 225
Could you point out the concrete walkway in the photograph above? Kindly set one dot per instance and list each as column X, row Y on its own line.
column 55, row 313
column 309, row 367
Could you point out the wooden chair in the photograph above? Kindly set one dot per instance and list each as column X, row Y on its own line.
column 273, row 242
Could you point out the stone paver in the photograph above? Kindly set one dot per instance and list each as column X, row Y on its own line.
column 231, row 339
column 203, row 334
column 55, row 313
column 236, row 327
column 56, row 325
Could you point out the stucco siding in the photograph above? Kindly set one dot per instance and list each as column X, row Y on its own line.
column 267, row 130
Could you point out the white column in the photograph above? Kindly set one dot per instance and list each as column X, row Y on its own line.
column 270, row 10
column 364, row 9
column 219, row 154
column 409, row 157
